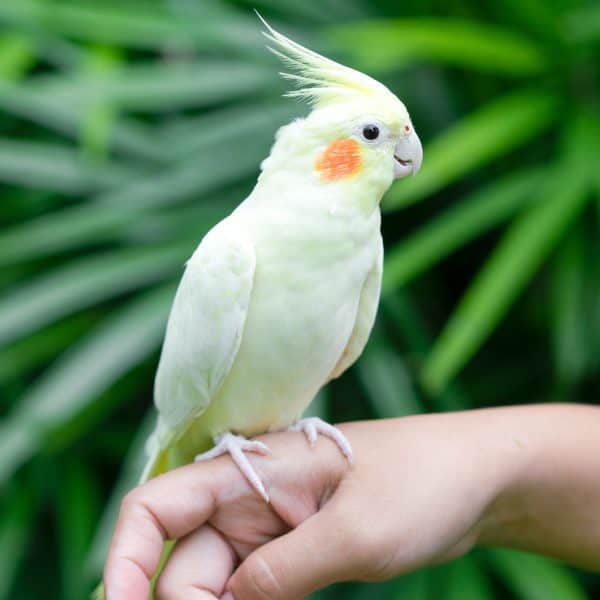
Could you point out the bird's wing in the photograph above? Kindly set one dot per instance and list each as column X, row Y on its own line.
column 365, row 317
column 205, row 326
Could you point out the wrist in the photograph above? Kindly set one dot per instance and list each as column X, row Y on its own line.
column 547, row 487
column 515, row 448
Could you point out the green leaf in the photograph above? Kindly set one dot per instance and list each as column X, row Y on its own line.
column 438, row 238
column 104, row 220
column 158, row 86
column 319, row 405
column 78, row 508
column 17, row 523
column 62, row 230
column 128, row 136
column 74, row 381
column 57, row 168
column 407, row 321
column 536, row 16
column 145, row 26
column 99, row 116
column 197, row 135
column 85, row 282
column 56, row 50
column 387, row 381
column 412, row 585
column 583, row 23
column 131, row 470
column 532, row 577
column 490, row 132
column 467, row 581
column 209, row 163
column 17, row 55
column 189, row 221
column 570, row 318
column 386, row 45
column 518, row 255
column 41, row 347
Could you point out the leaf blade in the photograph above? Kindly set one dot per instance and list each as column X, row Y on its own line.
column 57, row 168
column 491, row 131
column 157, row 87
column 533, row 577
column 124, row 339
column 16, row 528
column 202, row 164
column 506, row 272
column 383, row 45
column 128, row 478
column 83, row 283
column 386, row 380
column 570, row 319
column 457, row 226
column 152, row 27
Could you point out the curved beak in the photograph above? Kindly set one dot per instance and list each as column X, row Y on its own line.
column 408, row 155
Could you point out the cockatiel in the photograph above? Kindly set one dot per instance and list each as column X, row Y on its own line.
column 280, row 297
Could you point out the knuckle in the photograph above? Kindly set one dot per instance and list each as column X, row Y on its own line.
column 259, row 579
column 130, row 501
column 135, row 509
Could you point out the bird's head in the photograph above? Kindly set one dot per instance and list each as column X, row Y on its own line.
column 358, row 129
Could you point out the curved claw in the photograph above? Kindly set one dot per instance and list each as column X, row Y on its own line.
column 313, row 426
column 235, row 446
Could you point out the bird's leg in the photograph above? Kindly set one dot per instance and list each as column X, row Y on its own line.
column 313, row 426
column 235, row 446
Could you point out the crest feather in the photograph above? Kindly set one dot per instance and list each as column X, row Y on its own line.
column 318, row 79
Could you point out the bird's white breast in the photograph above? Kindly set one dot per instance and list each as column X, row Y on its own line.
column 310, row 270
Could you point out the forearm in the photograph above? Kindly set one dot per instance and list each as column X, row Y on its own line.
column 422, row 489
column 551, row 502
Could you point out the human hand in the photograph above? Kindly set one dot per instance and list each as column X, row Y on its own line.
column 422, row 490
column 409, row 499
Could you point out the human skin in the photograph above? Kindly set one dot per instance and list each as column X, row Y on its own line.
column 422, row 490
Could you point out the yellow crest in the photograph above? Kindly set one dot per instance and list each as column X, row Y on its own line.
column 320, row 80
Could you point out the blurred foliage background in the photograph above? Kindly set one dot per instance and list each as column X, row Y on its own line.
column 127, row 129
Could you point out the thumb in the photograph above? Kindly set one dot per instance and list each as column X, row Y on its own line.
column 310, row 557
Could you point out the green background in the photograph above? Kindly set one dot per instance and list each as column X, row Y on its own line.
column 128, row 129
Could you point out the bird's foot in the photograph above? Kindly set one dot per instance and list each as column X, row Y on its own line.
column 235, row 446
column 313, row 426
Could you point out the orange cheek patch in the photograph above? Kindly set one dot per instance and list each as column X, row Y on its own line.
column 340, row 159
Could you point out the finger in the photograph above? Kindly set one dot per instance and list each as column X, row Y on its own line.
column 198, row 567
column 291, row 567
column 168, row 507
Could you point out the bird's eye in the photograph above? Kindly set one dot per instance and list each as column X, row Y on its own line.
column 370, row 132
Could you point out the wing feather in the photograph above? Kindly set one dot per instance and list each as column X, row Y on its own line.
column 205, row 326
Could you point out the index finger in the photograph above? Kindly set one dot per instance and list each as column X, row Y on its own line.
column 167, row 507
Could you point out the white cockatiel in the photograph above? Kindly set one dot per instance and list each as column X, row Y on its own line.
column 280, row 297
